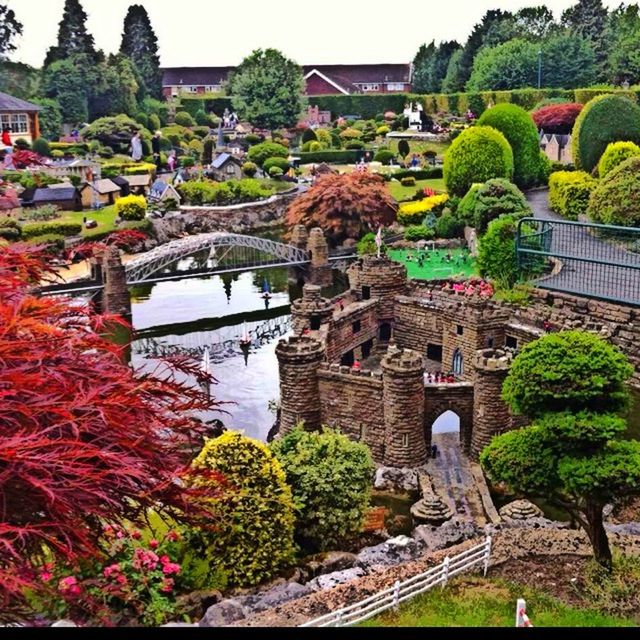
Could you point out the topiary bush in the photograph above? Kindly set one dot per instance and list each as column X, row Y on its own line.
column 41, row 147
column 604, row 119
column 616, row 198
column 384, row 156
column 477, row 155
column 154, row 123
column 419, row 232
column 281, row 163
column 184, row 119
column 557, row 118
column 276, row 173
column 249, row 169
column 615, row 154
column 518, row 128
column 496, row 198
column 58, row 228
column 569, row 192
column 260, row 152
column 466, row 210
column 570, row 371
column 9, row 229
column 252, row 537
column 330, row 477
column 409, row 181
column 131, row 208
column 308, row 135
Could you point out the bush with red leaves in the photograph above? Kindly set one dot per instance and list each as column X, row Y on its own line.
column 23, row 158
column 557, row 118
column 86, row 441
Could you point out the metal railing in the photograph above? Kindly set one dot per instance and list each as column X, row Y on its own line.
column 392, row 597
column 593, row 260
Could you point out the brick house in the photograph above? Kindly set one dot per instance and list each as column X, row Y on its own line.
column 320, row 79
column 20, row 116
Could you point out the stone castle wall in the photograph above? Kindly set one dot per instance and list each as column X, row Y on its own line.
column 457, row 397
column 341, row 335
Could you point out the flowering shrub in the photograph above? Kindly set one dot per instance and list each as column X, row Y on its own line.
column 132, row 207
column 414, row 212
column 473, row 286
column 25, row 158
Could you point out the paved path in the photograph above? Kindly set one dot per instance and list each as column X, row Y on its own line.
column 607, row 279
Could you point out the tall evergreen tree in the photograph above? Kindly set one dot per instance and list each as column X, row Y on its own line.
column 140, row 44
column 73, row 37
column 623, row 34
column 10, row 27
column 589, row 18
column 422, row 65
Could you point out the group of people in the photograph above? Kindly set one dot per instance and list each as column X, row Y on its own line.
column 137, row 152
column 439, row 377
column 6, row 160
column 422, row 256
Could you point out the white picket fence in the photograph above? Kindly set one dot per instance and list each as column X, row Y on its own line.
column 392, row 597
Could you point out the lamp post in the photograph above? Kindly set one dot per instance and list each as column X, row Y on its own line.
column 539, row 68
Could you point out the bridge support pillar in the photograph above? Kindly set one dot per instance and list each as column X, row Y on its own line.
column 115, row 295
column 320, row 272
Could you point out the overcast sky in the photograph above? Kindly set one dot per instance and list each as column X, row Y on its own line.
column 212, row 33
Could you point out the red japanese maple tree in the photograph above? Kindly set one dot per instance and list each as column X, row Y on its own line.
column 85, row 441
column 344, row 206
column 557, row 118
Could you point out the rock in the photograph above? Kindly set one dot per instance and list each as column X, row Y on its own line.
column 276, row 596
column 399, row 525
column 272, row 584
column 332, row 561
column 431, row 508
column 397, row 479
column 533, row 523
column 431, row 538
column 196, row 603
column 628, row 528
column 391, row 552
column 223, row 613
column 64, row 623
column 331, row 580
column 521, row 510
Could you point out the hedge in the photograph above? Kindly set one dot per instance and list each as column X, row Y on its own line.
column 419, row 174
column 217, row 105
column 614, row 155
column 366, row 106
column 57, row 227
column 616, row 198
column 413, row 213
column 342, row 156
column 569, row 192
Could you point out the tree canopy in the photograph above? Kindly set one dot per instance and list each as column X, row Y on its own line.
column 73, row 36
column 10, row 28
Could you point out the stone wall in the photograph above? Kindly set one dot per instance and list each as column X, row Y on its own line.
column 418, row 323
column 341, row 337
column 458, row 397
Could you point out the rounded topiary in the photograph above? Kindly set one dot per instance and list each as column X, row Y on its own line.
column 384, row 156
column 249, row 169
column 281, row 163
column 252, row 537
column 330, row 476
column 41, row 147
column 568, row 371
column 258, row 153
column 496, row 198
column 604, row 119
column 477, row 155
column 518, row 128
column 615, row 154
column 276, row 172
column 308, row 135
column 467, row 206
column 184, row 119
column 616, row 198
column 131, row 208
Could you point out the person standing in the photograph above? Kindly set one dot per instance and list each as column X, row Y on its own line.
column 6, row 137
column 136, row 147
column 155, row 149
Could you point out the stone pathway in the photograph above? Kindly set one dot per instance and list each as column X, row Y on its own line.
column 604, row 280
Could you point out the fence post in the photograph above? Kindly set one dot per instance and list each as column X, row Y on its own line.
column 522, row 619
column 445, row 572
column 487, row 555
column 339, row 618
column 396, row 595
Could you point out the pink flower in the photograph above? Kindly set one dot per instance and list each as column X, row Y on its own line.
column 121, row 579
column 45, row 576
column 171, row 568
column 173, row 536
column 167, row 585
column 153, row 544
column 165, row 560
column 143, row 559
column 119, row 535
column 69, row 585
column 112, row 570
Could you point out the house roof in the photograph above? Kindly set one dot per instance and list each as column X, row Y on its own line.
column 176, row 76
column 222, row 159
column 142, row 180
column 120, row 181
column 159, row 185
column 11, row 103
column 55, row 195
column 103, row 186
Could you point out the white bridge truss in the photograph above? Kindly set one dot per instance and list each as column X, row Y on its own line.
column 143, row 268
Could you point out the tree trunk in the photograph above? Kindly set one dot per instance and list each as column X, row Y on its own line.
column 597, row 534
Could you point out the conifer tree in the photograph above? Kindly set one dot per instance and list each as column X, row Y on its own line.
column 73, row 37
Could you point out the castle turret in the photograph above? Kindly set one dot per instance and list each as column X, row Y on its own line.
column 115, row 296
column 298, row 360
column 320, row 269
column 299, row 236
column 403, row 399
column 310, row 311
column 491, row 416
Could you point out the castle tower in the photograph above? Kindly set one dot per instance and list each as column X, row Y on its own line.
column 403, row 400
column 491, row 416
column 320, row 270
column 115, row 296
column 299, row 236
column 310, row 311
column 298, row 360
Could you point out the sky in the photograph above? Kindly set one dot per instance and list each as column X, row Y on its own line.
column 210, row 33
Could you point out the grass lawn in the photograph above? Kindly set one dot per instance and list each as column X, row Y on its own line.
column 106, row 219
column 435, row 268
column 480, row 602
column 400, row 193
column 419, row 146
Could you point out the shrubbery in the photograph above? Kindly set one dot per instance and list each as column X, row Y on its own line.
column 223, row 193
column 569, row 192
column 249, row 169
column 466, row 210
column 41, row 147
column 260, row 152
column 411, row 213
column 605, row 119
column 477, row 155
column 367, row 245
column 281, row 163
column 419, row 232
column 615, row 154
column 496, row 198
column 557, row 118
column 252, row 539
column 409, row 181
column 131, row 208
column 9, row 229
column 308, row 135
column 518, row 128
column 61, row 228
column 184, row 119
column 384, row 156
column 449, row 226
column 330, row 477
column 616, row 198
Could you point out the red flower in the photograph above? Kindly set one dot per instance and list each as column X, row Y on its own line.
column 165, row 560
column 167, row 585
column 173, row 536
column 112, row 570
column 69, row 585
column 45, row 576
column 170, row 568
column 153, row 544
column 136, row 535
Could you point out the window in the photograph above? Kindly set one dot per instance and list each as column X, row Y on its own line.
column 16, row 122
column 490, row 341
column 457, row 364
column 315, row 323
column 511, row 343
column 366, row 293
column 230, row 169
column 356, row 326
column 395, row 86
column 405, row 440
column 371, row 87
column 460, row 330
column 434, row 352
column 212, row 88
column 385, row 332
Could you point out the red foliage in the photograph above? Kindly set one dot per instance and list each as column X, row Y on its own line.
column 23, row 159
column 85, row 440
column 126, row 239
column 344, row 206
column 557, row 118
column 8, row 197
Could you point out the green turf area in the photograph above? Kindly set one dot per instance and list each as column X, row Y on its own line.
column 480, row 602
column 435, row 268
column 400, row 193
column 106, row 219
column 419, row 146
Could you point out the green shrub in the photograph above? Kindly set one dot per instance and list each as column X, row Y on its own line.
column 21, row 145
column 184, row 119
column 419, row 174
column 343, row 156
column 354, row 144
column 260, row 152
column 131, row 208
column 496, row 198
column 466, row 210
column 605, row 119
column 367, row 245
column 409, row 181
column 276, row 172
column 314, row 146
column 252, row 537
column 384, row 156
column 154, row 123
column 202, row 119
column 330, row 477
column 201, row 132
column 477, row 155
column 196, row 147
column 383, row 130
column 187, row 161
column 616, row 198
column 308, row 135
column 9, row 229
column 518, row 128
column 350, row 133
column 41, row 146
column 281, row 163
column 57, row 154
column 569, row 192
column 41, row 214
column 253, row 138
column 615, row 154
column 60, row 228
column 207, row 150
column 448, row 226
column 204, row 192
column 418, row 232
column 143, row 119
column 249, row 169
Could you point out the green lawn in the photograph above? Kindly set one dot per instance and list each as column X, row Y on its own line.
column 419, row 146
column 435, row 268
column 480, row 602
column 400, row 193
column 106, row 219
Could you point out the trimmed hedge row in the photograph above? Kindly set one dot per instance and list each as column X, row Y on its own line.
column 569, row 192
column 217, row 105
column 342, row 156
column 419, row 174
column 366, row 106
column 616, row 198
column 44, row 228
